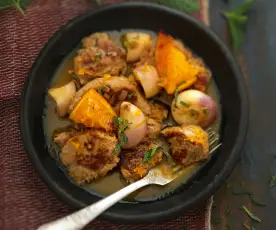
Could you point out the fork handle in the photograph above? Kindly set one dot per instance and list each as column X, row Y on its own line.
column 81, row 218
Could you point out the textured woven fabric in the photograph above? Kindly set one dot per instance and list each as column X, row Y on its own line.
column 25, row 202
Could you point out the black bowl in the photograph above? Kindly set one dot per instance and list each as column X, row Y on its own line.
column 150, row 17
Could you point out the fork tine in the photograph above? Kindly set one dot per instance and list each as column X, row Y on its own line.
column 215, row 148
column 208, row 130
column 211, row 135
column 213, row 141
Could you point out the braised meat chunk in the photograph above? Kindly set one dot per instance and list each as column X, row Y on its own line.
column 118, row 89
column 136, row 163
column 189, row 144
column 99, row 56
column 89, row 155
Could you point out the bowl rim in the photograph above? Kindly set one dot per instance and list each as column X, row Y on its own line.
column 201, row 196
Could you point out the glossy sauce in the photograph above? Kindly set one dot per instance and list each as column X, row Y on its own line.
column 114, row 181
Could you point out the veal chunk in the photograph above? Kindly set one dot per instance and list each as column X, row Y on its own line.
column 132, row 166
column 99, row 56
column 118, row 89
column 189, row 144
column 89, row 155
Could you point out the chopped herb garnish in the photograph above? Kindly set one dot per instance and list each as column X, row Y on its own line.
column 131, row 95
column 273, row 181
column 100, row 91
column 251, row 196
column 237, row 21
column 117, row 149
column 123, row 139
column 122, row 125
column 177, row 93
column 250, row 214
column 206, row 111
column 149, row 154
column 184, row 104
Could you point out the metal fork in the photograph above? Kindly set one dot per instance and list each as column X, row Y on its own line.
column 81, row 218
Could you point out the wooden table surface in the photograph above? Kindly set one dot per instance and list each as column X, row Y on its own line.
column 258, row 161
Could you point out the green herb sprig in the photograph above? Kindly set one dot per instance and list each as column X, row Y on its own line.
column 18, row 4
column 131, row 95
column 250, row 214
column 184, row 104
column 149, row 154
column 122, row 125
column 251, row 196
column 236, row 21
column 100, row 91
column 188, row 6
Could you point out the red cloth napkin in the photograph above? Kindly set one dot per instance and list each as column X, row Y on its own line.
column 25, row 202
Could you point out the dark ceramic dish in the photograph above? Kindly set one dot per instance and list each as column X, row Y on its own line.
column 150, row 17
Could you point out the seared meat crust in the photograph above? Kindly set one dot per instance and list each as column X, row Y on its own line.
column 99, row 56
column 132, row 166
column 89, row 155
column 187, row 150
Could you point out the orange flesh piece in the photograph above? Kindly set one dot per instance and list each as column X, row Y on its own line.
column 173, row 66
column 93, row 111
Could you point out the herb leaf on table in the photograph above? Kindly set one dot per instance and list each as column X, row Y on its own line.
column 188, row 6
column 237, row 21
column 18, row 4
column 250, row 214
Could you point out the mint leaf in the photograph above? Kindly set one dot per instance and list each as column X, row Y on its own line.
column 149, row 154
column 236, row 32
column 241, row 19
column 244, row 8
column 188, row 6
column 237, row 20
column 18, row 4
column 250, row 214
